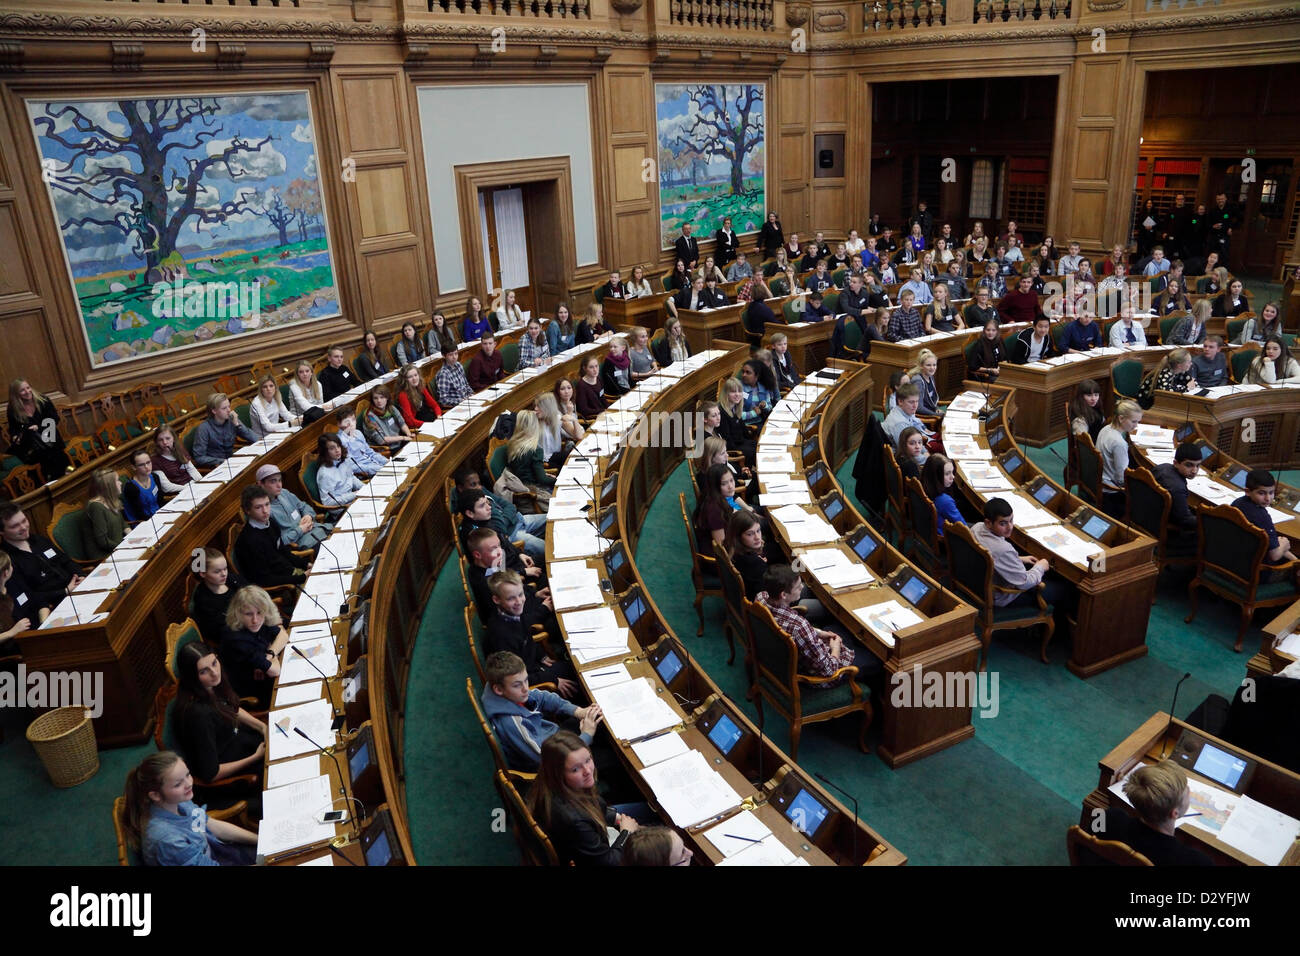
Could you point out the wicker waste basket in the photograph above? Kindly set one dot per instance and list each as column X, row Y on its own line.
column 65, row 741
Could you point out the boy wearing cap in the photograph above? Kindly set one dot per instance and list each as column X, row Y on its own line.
column 299, row 527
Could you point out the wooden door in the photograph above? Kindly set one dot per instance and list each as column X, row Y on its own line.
column 503, row 220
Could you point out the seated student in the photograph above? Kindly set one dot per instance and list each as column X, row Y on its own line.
column 787, row 373
column 518, row 715
column 905, row 322
column 1021, row 303
column 509, row 628
column 1210, row 365
column 267, row 412
column 365, row 459
column 507, row 315
column 306, row 397
column 941, row 315
column 1159, row 794
column 336, row 378
column 710, row 270
column 591, row 327
column 820, row 279
column 814, row 309
column 415, row 402
column 105, row 525
column 1112, row 445
column 168, row 829
column 257, row 549
column 1173, row 478
column 299, row 526
column 336, row 473
column 489, row 554
column 530, row 529
column 588, row 394
column 1035, row 343
column 616, row 370
column 534, row 350
column 1190, row 329
column 370, row 362
column 728, row 426
column 1173, row 374
column 979, row 313
column 692, row 297
column 761, row 392
column 568, row 807
column 642, row 360
column 524, row 454
column 42, row 574
column 717, row 501
column 1126, row 332
column 908, row 399
column 937, row 477
column 1273, row 366
column 214, row 439
column 217, row 736
column 1011, row 569
column 1086, row 414
column 217, row 585
column 451, row 383
column 910, row 452
column 745, row 547
column 34, row 431
column 558, row 433
column 657, row 846
column 740, row 269
column 637, row 287
column 384, row 425
column 252, row 644
column 561, row 330
column 15, row 617
column 1170, row 301
column 1082, row 334
column 171, row 462
column 672, row 345
column 1268, row 324
column 563, row 393
column 896, row 378
column 487, row 367
column 821, row 652
column 992, row 280
column 409, row 348
column 1231, row 302
column 1261, row 487
column 927, row 366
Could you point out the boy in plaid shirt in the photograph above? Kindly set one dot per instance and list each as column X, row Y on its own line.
column 450, row 383
column 821, row 653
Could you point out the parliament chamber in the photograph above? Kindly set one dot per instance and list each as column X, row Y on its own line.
column 608, row 318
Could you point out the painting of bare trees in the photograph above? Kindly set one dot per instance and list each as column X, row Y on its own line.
column 187, row 219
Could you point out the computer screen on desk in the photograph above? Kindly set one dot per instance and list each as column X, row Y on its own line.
column 996, row 437
column 633, row 607
column 1044, row 493
column 810, row 447
column 811, row 427
column 379, row 843
column 815, row 476
column 806, row 812
column 1012, row 462
column 1184, row 432
column 1220, row 766
column 914, row 589
column 608, row 521
column 863, row 544
column 667, row 665
column 1095, row 526
column 1236, row 475
column 834, row 505
column 725, row 734
column 994, row 417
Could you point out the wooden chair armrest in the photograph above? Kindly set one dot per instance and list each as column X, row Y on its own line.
column 234, row 810
column 243, row 778
column 799, row 609
column 544, row 685
column 848, row 670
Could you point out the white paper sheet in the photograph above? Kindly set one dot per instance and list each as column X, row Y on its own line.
column 886, row 619
column 289, row 816
column 314, row 718
column 291, row 694
column 690, row 790
column 737, row 833
column 658, row 749
column 1260, row 831
column 291, row 771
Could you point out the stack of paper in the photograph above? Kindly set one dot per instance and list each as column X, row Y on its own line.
column 803, row 527
column 658, row 749
column 291, row 771
column 768, row 852
column 228, row 470
column 110, row 575
column 737, row 833
column 835, row 569
column 799, row 496
column 296, row 664
column 984, row 477
column 967, row 402
column 365, row 514
column 575, row 585
column 1260, row 831
column 1065, row 543
column 75, row 609
column 314, row 718
column 778, row 436
column 340, row 552
column 147, row 533
column 689, row 789
column 634, row 709
column 606, row 675
column 1213, row 491
column 958, row 424
column 961, row 448
column 291, row 816
column 884, row 619
column 595, row 635
column 1153, row 436
column 574, row 539
column 779, row 461
column 1025, row 511
column 286, row 695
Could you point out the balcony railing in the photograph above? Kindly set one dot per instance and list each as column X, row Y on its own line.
column 729, row 14
column 1008, row 11
column 903, row 14
column 542, row 9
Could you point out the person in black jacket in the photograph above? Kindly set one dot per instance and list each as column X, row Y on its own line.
column 1160, row 795
column 565, row 803
column 34, row 431
column 1035, row 343
column 509, row 628
column 253, row 643
column 859, row 304
column 787, row 373
column 370, row 363
column 1173, row 478
column 687, row 248
column 217, row 585
column 257, row 549
column 43, row 574
column 613, row 289
column 336, row 378
column 770, row 237
column 490, row 552
column 671, row 344
column 616, row 370
column 216, row 736
column 691, row 297
column 725, row 244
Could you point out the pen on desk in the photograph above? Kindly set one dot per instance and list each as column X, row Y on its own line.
column 602, row 674
column 735, row 836
column 281, row 729
column 1186, row 815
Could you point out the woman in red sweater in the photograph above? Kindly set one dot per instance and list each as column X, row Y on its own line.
column 414, row 402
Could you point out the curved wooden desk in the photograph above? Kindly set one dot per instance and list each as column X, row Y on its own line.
column 758, row 771
column 831, row 426
column 1273, row 442
column 1115, row 592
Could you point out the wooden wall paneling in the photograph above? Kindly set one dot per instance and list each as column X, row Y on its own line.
column 791, row 167
column 632, row 140
column 28, row 351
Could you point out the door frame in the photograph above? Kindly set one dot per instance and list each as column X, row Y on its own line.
column 549, row 274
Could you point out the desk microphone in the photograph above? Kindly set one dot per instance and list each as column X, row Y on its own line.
column 328, row 616
column 825, row 780
column 337, row 723
column 1065, row 471
column 329, row 752
column 343, row 589
column 1165, row 746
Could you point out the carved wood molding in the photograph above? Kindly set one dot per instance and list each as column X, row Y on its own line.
column 830, row 21
column 320, row 55
column 127, row 57
column 230, row 56
column 11, row 57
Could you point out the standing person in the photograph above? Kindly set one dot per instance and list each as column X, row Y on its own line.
column 336, row 378
column 770, row 237
column 267, row 412
column 1113, row 445
column 214, row 439
column 34, row 431
column 167, row 828
column 171, row 462
column 687, row 247
column 106, row 525
column 142, row 494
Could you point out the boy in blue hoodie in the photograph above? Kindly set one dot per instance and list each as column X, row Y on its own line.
column 519, row 716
